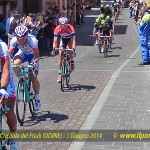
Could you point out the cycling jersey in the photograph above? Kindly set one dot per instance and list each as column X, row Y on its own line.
column 69, row 32
column 110, row 24
column 96, row 27
column 116, row 6
column 4, row 55
column 65, row 35
column 31, row 44
column 105, row 30
column 25, row 52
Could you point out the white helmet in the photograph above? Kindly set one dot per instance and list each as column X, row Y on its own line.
column 63, row 21
column 21, row 31
column 107, row 5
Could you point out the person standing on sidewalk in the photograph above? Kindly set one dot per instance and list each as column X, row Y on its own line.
column 8, row 22
column 144, row 28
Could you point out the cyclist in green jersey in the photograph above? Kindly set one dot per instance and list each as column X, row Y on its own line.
column 104, row 31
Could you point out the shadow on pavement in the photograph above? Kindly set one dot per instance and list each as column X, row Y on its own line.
column 43, row 116
column 116, row 47
column 120, row 29
column 76, row 87
column 114, row 55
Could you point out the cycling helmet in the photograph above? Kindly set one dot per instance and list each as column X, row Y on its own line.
column 107, row 17
column 102, row 15
column 107, row 5
column 21, row 31
column 102, row 6
column 97, row 20
column 103, row 22
column 63, row 21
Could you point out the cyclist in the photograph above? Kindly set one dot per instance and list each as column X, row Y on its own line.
column 110, row 25
column 144, row 28
column 116, row 8
column 67, row 39
column 28, row 51
column 102, row 9
column 7, row 90
column 96, row 29
column 108, row 11
column 104, row 31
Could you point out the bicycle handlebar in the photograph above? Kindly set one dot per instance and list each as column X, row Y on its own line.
column 57, row 49
column 30, row 67
column 105, row 36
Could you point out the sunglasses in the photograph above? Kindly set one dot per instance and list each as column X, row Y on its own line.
column 21, row 38
column 63, row 25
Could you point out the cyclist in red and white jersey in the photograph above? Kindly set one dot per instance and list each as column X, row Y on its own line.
column 67, row 40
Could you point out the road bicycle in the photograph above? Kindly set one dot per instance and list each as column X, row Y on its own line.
column 105, row 45
column 24, row 92
column 3, row 141
column 65, row 68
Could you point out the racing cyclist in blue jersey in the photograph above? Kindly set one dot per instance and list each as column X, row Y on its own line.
column 28, row 51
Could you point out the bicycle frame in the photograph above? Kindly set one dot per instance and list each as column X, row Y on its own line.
column 26, row 94
column 25, row 76
column 65, row 67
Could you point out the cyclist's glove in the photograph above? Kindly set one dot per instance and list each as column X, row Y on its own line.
column 74, row 52
column 53, row 52
column 4, row 93
column 34, row 64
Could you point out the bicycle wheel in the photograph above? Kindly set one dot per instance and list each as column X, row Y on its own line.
column 32, row 100
column 110, row 42
column 105, row 51
column 67, row 73
column 62, row 75
column 20, row 102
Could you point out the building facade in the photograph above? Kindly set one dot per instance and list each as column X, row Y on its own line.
column 35, row 6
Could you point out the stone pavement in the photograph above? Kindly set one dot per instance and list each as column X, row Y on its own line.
column 68, row 110
column 125, row 105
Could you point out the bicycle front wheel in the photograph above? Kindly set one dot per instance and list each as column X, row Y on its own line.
column 63, row 75
column 68, row 74
column 32, row 100
column 20, row 102
column 105, row 51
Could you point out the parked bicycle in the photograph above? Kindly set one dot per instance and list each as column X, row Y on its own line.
column 65, row 67
column 24, row 92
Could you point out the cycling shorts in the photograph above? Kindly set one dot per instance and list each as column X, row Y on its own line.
column 64, row 42
column 105, row 32
column 26, row 57
column 11, row 86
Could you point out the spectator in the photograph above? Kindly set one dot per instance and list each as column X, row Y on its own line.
column 2, row 30
column 64, row 12
column 8, row 22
